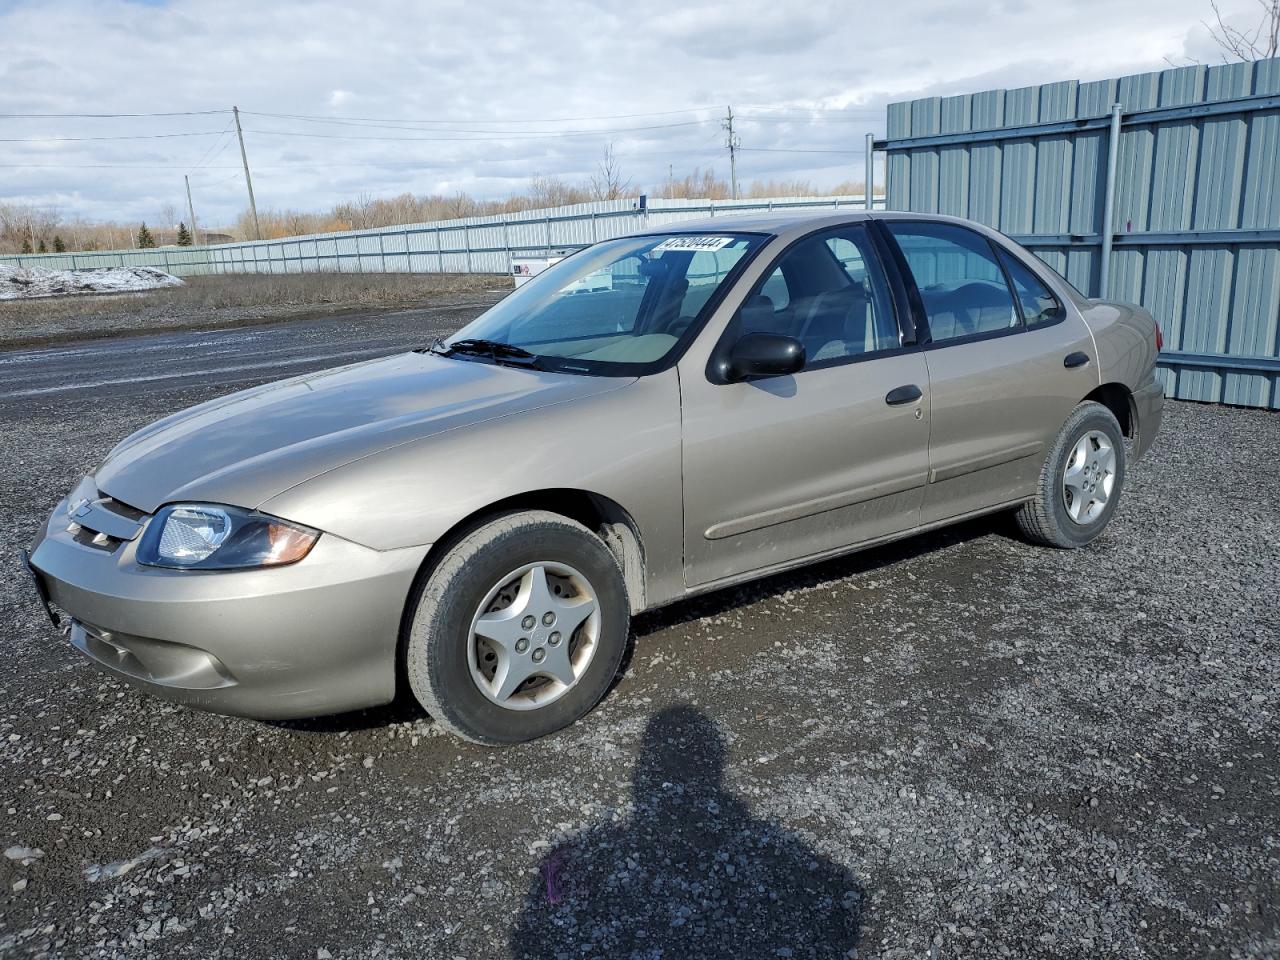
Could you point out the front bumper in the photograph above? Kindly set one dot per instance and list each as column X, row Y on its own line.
column 313, row 638
column 1148, row 404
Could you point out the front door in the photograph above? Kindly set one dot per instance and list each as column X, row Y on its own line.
column 782, row 468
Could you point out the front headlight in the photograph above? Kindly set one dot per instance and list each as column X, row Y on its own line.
column 205, row 536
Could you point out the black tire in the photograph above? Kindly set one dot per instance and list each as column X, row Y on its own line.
column 436, row 658
column 1044, row 519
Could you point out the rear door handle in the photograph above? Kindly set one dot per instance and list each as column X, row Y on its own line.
column 1077, row 359
column 904, row 394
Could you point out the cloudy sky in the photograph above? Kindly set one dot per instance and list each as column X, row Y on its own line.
column 375, row 97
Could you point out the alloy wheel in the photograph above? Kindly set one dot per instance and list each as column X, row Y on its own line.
column 534, row 636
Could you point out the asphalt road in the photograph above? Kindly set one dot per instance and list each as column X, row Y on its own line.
column 148, row 366
column 960, row 745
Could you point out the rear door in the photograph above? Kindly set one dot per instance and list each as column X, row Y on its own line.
column 781, row 468
column 1007, row 363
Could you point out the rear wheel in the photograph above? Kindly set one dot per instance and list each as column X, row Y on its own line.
column 519, row 630
column 1080, row 482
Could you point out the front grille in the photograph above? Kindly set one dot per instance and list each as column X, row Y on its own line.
column 121, row 509
column 92, row 538
column 105, row 522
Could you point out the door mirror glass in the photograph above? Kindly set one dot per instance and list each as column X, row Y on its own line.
column 765, row 355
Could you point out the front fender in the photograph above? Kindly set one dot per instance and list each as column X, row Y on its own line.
column 624, row 445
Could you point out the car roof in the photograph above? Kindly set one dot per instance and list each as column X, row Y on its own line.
column 780, row 222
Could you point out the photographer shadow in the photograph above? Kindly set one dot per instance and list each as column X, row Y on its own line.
column 691, row 873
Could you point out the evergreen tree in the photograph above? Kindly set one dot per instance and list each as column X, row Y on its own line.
column 145, row 239
column 184, row 235
column 42, row 248
column 58, row 245
column 26, row 245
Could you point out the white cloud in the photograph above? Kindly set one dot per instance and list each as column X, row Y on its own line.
column 488, row 70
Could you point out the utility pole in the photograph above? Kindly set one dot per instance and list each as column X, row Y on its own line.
column 248, row 180
column 733, row 143
column 191, row 211
column 868, row 183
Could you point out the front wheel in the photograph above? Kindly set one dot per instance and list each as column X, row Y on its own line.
column 519, row 630
column 1080, row 482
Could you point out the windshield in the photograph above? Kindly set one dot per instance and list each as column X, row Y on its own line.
column 621, row 307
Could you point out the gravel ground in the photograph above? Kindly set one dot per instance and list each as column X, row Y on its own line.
column 960, row 745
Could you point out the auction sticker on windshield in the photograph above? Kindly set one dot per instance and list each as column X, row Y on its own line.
column 693, row 243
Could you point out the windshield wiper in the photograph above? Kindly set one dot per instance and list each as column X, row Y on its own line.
column 498, row 351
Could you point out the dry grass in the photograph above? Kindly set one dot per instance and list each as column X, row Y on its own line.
column 210, row 302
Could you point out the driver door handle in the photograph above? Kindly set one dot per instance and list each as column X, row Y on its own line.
column 905, row 394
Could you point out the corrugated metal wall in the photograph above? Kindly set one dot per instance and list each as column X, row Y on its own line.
column 470, row 245
column 1196, row 220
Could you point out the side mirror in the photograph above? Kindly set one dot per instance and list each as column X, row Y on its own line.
column 764, row 355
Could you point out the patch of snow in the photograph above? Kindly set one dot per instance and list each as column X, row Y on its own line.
column 119, row 868
column 22, row 283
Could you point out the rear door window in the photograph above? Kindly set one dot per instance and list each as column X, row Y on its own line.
column 959, row 278
column 1039, row 306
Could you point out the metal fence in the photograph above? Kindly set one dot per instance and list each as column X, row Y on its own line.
column 470, row 245
column 1190, row 227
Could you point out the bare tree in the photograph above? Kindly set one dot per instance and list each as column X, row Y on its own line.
column 607, row 183
column 24, row 223
column 1259, row 43
column 547, row 191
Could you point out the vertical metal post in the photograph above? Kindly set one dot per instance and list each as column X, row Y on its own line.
column 408, row 258
column 466, row 243
column 1109, row 202
column 732, row 143
column 868, row 187
column 439, row 252
column 382, row 252
column 191, row 210
column 248, row 180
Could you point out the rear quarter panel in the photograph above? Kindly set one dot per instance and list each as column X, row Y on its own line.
column 1125, row 337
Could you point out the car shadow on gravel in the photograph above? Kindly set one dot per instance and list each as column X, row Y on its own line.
column 689, row 873
column 404, row 709
column 863, row 561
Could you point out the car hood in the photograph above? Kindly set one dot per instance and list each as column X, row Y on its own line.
column 247, row 447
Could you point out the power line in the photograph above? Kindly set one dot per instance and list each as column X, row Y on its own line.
column 340, row 119
column 106, row 116
column 221, row 150
column 549, row 135
column 408, row 125
column 133, row 136
column 221, row 180
column 103, row 166
column 206, row 155
column 788, row 118
column 296, row 164
column 799, row 150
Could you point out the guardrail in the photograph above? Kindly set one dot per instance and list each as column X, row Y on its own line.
column 470, row 245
